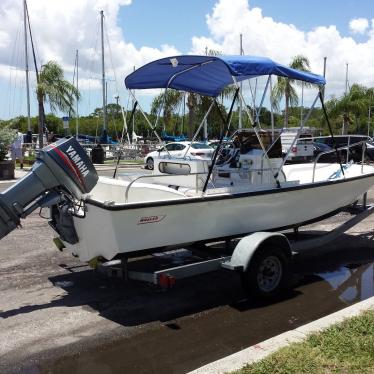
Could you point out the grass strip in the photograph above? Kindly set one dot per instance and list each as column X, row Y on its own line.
column 347, row 347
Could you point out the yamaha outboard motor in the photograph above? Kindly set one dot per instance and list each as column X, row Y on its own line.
column 62, row 172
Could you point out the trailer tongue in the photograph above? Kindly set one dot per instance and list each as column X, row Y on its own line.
column 63, row 172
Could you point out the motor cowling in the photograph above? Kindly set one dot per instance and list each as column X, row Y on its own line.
column 62, row 168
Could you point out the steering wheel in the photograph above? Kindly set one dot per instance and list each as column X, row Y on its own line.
column 226, row 156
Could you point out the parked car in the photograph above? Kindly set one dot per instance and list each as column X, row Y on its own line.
column 302, row 151
column 226, row 143
column 355, row 151
column 303, row 148
column 178, row 149
column 321, row 147
column 341, row 140
column 370, row 150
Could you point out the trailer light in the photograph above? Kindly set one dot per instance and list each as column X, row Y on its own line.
column 166, row 281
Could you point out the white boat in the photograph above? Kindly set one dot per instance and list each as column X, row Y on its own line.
column 185, row 201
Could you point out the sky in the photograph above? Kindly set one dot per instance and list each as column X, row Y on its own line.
column 139, row 31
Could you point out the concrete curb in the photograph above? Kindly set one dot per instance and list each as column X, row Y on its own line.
column 259, row 351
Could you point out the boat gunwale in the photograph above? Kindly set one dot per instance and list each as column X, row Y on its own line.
column 223, row 196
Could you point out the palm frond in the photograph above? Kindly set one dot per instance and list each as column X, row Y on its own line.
column 53, row 88
column 170, row 101
column 292, row 96
column 300, row 62
column 278, row 92
column 284, row 86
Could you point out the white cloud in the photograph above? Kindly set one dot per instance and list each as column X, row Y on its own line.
column 4, row 39
column 358, row 25
column 60, row 28
column 89, row 84
column 4, row 72
column 264, row 36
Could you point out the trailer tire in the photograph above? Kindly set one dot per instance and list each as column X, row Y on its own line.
column 268, row 273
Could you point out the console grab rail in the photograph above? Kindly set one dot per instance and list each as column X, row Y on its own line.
column 157, row 176
column 363, row 143
column 196, row 174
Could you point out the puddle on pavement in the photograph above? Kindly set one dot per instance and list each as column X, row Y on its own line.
column 194, row 339
column 64, row 284
column 352, row 283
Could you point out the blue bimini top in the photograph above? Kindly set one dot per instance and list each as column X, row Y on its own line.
column 208, row 75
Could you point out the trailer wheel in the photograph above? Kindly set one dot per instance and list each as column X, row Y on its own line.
column 268, row 273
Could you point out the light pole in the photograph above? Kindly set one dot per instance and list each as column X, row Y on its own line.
column 104, row 136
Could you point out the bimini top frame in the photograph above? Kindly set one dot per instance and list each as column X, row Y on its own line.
column 208, row 75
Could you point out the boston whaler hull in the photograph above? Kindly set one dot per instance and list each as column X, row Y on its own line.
column 108, row 230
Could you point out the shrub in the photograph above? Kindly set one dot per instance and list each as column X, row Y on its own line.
column 7, row 137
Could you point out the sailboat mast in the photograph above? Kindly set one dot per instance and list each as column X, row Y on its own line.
column 27, row 74
column 241, row 88
column 104, row 136
column 205, row 136
column 346, row 79
column 271, row 109
column 324, row 75
column 133, row 118
column 76, row 100
column 345, row 114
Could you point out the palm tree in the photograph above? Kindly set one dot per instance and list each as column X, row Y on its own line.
column 53, row 88
column 169, row 101
column 284, row 87
column 193, row 100
column 356, row 102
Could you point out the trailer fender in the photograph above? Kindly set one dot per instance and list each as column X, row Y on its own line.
column 247, row 247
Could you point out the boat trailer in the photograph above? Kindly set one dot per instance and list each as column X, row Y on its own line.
column 263, row 259
column 63, row 174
